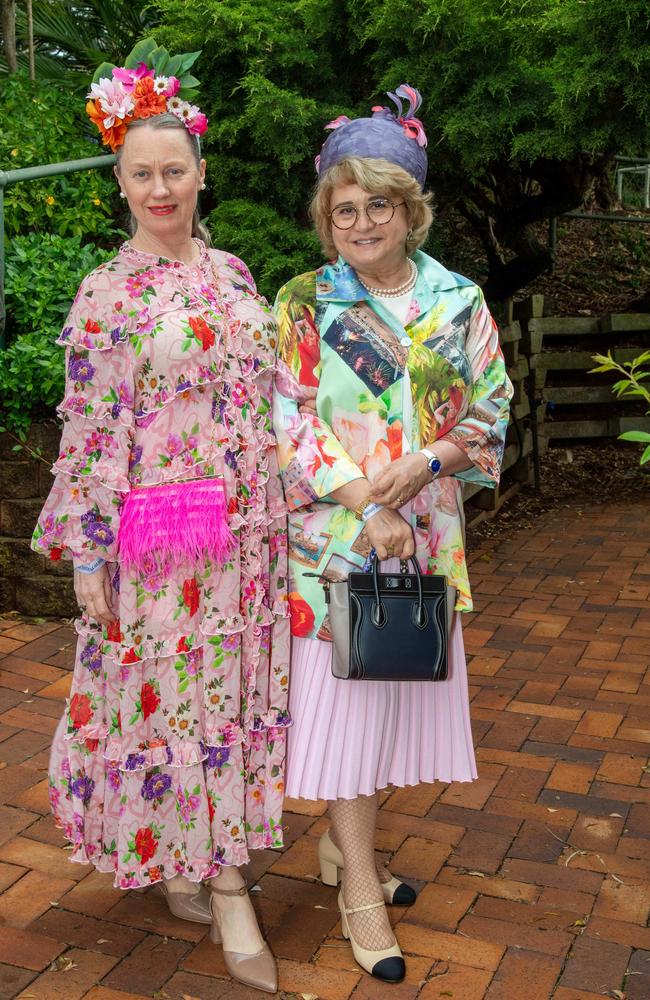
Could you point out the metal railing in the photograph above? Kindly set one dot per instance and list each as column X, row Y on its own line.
column 642, row 220
column 639, row 165
column 8, row 177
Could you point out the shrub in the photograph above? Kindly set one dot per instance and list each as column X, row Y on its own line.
column 274, row 248
column 633, row 385
column 43, row 274
column 45, row 125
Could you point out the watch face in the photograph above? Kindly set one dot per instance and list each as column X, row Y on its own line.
column 435, row 465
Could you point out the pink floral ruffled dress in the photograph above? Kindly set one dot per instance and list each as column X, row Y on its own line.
column 170, row 756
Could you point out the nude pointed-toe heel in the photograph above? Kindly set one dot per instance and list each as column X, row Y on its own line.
column 258, row 970
column 194, row 906
column 395, row 892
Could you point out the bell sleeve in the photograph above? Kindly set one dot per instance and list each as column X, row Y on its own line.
column 80, row 519
column 313, row 462
column 481, row 433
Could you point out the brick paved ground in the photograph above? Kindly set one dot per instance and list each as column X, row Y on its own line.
column 535, row 880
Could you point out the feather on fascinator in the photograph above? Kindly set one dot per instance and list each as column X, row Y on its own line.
column 397, row 137
column 151, row 82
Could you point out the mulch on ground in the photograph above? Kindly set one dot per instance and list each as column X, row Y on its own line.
column 534, row 880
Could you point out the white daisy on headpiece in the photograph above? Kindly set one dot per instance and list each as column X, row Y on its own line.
column 160, row 84
column 183, row 110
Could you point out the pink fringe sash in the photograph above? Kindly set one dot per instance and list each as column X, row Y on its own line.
column 174, row 523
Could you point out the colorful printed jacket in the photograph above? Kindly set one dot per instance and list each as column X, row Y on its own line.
column 351, row 351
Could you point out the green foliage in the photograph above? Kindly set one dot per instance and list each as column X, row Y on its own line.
column 631, row 386
column 45, row 125
column 273, row 247
column 31, row 381
column 43, row 274
column 71, row 40
column 526, row 80
column 525, row 101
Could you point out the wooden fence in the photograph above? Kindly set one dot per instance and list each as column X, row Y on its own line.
column 517, row 467
column 555, row 396
column 575, row 404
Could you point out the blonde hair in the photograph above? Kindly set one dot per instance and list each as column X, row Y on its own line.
column 378, row 177
column 168, row 120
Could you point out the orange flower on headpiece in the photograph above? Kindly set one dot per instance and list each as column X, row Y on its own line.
column 147, row 101
column 113, row 136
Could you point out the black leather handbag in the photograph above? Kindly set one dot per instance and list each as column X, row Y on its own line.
column 390, row 626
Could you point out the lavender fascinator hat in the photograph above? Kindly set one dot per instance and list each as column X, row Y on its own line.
column 399, row 138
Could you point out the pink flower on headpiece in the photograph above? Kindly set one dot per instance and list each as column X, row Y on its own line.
column 114, row 101
column 341, row 120
column 198, row 124
column 129, row 77
column 194, row 120
column 414, row 130
column 173, row 86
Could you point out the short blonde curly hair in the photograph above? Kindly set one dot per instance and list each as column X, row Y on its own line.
column 377, row 177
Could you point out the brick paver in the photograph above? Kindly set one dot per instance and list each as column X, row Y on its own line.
column 534, row 881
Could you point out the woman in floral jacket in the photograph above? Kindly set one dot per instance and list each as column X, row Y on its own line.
column 168, row 764
column 390, row 391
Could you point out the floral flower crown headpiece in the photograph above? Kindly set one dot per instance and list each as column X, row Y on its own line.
column 150, row 83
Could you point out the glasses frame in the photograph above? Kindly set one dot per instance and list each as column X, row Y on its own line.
column 394, row 204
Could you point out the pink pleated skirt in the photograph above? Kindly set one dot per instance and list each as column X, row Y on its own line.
column 351, row 738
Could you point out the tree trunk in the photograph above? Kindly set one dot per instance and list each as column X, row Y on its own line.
column 30, row 40
column 505, row 204
column 9, row 33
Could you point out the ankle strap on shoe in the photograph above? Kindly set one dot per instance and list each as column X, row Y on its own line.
column 229, row 892
column 360, row 909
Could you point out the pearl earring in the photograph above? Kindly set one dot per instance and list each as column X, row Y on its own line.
column 122, row 195
column 203, row 187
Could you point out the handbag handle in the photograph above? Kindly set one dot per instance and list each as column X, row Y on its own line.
column 378, row 610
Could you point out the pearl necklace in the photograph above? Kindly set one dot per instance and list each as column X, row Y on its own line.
column 394, row 293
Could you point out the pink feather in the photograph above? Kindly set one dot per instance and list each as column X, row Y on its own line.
column 174, row 523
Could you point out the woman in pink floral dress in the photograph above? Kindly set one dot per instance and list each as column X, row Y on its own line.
column 167, row 766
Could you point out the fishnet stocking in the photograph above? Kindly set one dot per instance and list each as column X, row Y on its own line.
column 353, row 821
column 382, row 871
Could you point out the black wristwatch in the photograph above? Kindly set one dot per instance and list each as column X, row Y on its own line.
column 433, row 462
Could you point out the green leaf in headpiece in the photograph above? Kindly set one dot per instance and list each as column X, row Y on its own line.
column 105, row 70
column 173, row 65
column 188, row 81
column 159, row 61
column 141, row 52
column 186, row 61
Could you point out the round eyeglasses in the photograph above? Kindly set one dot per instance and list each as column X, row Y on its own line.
column 379, row 210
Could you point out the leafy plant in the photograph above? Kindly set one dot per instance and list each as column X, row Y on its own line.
column 72, row 39
column 32, row 379
column 44, row 125
column 43, row 273
column 630, row 387
column 274, row 248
